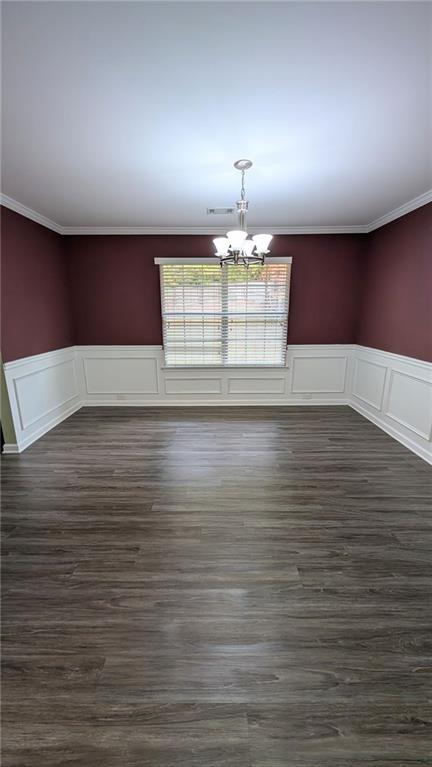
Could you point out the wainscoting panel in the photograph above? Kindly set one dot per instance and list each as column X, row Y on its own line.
column 105, row 375
column 43, row 391
column 119, row 374
column 320, row 374
column 257, row 385
column 393, row 392
column 193, row 385
column 369, row 382
column 410, row 403
column 325, row 375
column 136, row 375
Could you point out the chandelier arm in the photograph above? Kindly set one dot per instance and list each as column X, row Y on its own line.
column 234, row 259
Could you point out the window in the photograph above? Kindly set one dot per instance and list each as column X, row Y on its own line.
column 224, row 316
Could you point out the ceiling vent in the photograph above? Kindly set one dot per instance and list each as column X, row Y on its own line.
column 220, row 211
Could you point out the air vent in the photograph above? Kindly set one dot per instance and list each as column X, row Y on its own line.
column 220, row 211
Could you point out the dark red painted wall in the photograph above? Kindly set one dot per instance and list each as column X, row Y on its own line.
column 374, row 290
column 35, row 311
column 115, row 285
column 324, row 287
column 395, row 312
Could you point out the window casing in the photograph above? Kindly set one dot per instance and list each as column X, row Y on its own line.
column 229, row 316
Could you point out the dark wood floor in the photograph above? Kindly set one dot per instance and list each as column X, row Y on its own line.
column 205, row 587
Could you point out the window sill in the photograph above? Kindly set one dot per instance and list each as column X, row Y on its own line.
column 224, row 367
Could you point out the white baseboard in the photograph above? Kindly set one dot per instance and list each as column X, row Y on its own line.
column 10, row 448
column 218, row 403
column 392, row 391
column 34, row 436
column 422, row 452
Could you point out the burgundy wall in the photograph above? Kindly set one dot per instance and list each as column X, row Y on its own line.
column 396, row 303
column 115, row 285
column 374, row 290
column 324, row 287
column 35, row 310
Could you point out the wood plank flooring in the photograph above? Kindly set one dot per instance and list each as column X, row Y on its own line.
column 202, row 587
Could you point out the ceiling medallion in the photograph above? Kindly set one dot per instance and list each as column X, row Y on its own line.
column 236, row 248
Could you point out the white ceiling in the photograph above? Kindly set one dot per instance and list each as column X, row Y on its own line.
column 131, row 114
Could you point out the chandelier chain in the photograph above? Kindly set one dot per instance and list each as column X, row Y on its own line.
column 242, row 194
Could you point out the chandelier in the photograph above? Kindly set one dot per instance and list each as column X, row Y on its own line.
column 236, row 248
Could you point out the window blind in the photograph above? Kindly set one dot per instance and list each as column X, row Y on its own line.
column 224, row 316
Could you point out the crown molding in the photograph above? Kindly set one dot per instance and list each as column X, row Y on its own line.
column 8, row 202
column 417, row 202
column 72, row 230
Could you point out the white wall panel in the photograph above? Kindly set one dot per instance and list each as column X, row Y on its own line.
column 395, row 392
column 40, row 392
column 193, row 385
column 115, row 375
column 121, row 375
column 319, row 374
column 43, row 391
column 253, row 385
column 410, row 403
column 392, row 391
column 369, row 381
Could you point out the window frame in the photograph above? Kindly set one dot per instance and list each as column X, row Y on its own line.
column 213, row 261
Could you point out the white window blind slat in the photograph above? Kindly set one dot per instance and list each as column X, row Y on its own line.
column 228, row 316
